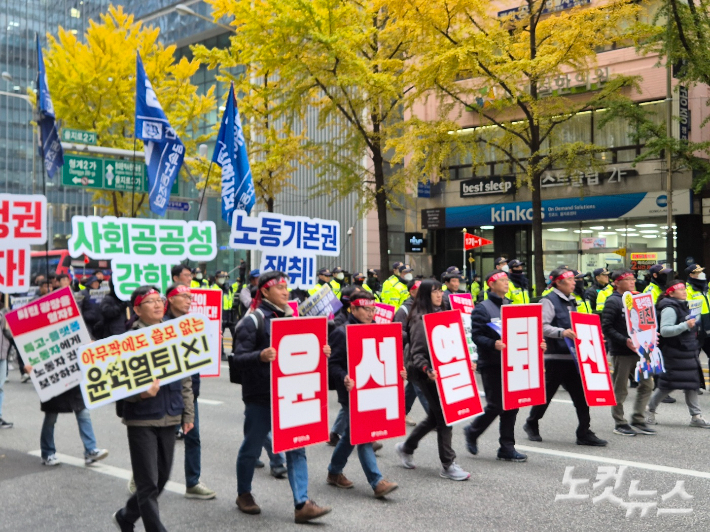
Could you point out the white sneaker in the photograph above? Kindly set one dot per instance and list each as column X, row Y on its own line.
column 409, row 421
column 650, row 417
column 51, row 460
column 95, row 455
column 454, row 472
column 25, row 377
column 407, row 459
column 132, row 485
column 699, row 421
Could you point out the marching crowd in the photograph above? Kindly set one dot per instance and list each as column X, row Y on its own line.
column 159, row 415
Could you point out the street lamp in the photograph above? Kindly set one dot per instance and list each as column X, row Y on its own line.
column 7, row 77
column 182, row 9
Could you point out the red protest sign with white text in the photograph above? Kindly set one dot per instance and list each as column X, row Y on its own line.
column 461, row 302
column 591, row 358
column 377, row 401
column 450, row 359
column 384, row 313
column 522, row 362
column 23, row 223
column 208, row 302
column 299, row 383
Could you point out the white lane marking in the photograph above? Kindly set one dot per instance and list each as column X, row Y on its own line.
column 606, row 460
column 563, row 401
column 209, row 401
column 106, row 469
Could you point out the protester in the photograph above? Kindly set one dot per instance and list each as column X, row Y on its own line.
column 63, row 280
column 150, row 418
column 243, row 292
column 560, row 366
column 419, row 369
column 90, row 308
column 361, row 310
column 253, row 354
column 624, row 359
column 452, row 281
column 680, row 347
column 113, row 312
column 5, row 343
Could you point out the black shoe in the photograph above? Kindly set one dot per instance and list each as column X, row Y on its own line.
column 624, row 430
column 279, row 472
column 591, row 439
column 643, row 428
column 121, row 523
column 633, row 384
column 334, row 439
column 668, row 399
column 259, row 464
column 5, row 424
column 471, row 443
column 512, row 456
column 533, row 434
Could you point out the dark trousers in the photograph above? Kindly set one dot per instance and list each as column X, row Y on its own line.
column 151, row 451
column 434, row 420
column 493, row 387
column 193, row 453
column 565, row 373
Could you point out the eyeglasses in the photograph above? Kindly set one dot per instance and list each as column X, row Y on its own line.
column 186, row 296
column 155, row 302
column 367, row 310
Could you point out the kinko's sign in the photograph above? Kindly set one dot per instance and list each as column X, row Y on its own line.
column 450, row 359
column 23, row 223
column 522, row 361
column 591, row 358
column 208, row 302
column 377, row 400
column 299, row 383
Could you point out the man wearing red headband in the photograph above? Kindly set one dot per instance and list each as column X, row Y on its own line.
column 253, row 355
column 560, row 366
column 624, row 358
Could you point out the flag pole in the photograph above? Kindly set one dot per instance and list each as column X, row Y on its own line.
column 204, row 190
column 133, row 178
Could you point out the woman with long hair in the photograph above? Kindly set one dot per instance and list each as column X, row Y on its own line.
column 419, row 370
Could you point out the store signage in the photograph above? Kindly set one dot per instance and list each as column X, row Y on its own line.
column 433, row 218
column 481, row 186
column 424, row 190
column 589, row 178
column 683, row 113
column 414, row 242
column 643, row 261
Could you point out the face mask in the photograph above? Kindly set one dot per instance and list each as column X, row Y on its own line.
column 505, row 268
column 220, row 280
column 340, row 276
column 198, row 276
column 408, row 277
column 701, row 276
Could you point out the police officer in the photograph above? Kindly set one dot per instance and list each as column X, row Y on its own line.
column 395, row 287
column 501, row 263
column 325, row 277
column 338, row 282
column 198, row 279
column 658, row 279
column 697, row 289
column 476, row 288
column 560, row 366
column 373, row 281
column 582, row 305
column 227, row 298
column 601, row 280
column 518, row 285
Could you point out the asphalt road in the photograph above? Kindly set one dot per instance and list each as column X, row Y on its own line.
column 499, row 496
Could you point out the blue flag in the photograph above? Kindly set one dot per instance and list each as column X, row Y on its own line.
column 50, row 145
column 230, row 153
column 164, row 152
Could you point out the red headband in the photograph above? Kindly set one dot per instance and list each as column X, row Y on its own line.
column 139, row 299
column 268, row 284
column 623, row 276
column 495, row 277
column 563, row 275
column 361, row 302
column 415, row 286
column 179, row 289
column 675, row 287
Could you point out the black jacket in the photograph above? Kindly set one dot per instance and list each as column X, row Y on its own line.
column 196, row 377
column 338, row 361
column 680, row 353
column 419, row 359
column 113, row 311
column 65, row 403
column 401, row 317
column 90, row 310
column 484, row 336
column 256, row 375
column 591, row 293
column 614, row 326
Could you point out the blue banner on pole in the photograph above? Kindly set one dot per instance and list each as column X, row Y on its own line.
column 230, row 153
column 164, row 152
column 50, row 145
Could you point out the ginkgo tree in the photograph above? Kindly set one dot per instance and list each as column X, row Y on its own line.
column 93, row 88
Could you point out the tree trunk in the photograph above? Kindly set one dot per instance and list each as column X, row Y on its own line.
column 381, row 206
column 539, row 276
column 270, row 204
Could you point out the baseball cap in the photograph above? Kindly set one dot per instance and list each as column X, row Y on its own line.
column 359, row 275
column 254, row 273
column 406, row 268
column 325, row 271
column 397, row 265
column 694, row 268
column 371, row 272
column 600, row 271
column 337, row 269
column 515, row 263
column 500, row 260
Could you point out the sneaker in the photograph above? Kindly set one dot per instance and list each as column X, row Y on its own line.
column 471, row 444
column 642, row 428
column 259, row 464
column 651, row 417
column 51, row 460
column 376, row 446
column 122, row 525
column 279, row 471
column 310, row 511
column 247, row 504
column 334, row 439
column 668, row 399
column 384, row 487
column 454, row 472
column 512, row 456
column 339, row 481
column 132, row 485
column 407, row 459
column 25, row 378
column 533, row 433
column 200, row 491
column 701, row 391
column 95, row 455
column 409, row 421
column 591, row 440
column 624, row 430
column 699, row 421
column 5, row 424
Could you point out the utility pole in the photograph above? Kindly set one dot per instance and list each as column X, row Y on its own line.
column 670, row 252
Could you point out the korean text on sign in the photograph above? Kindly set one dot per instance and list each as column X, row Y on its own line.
column 322, row 303
column 642, row 326
column 129, row 275
column 377, row 400
column 49, row 333
column 450, row 359
column 299, row 383
column 591, row 358
column 208, row 302
column 522, row 361
column 23, row 222
column 301, row 270
column 127, row 364
column 384, row 313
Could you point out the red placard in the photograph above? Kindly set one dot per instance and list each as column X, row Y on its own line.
column 591, row 359
column 461, row 302
column 384, row 313
column 299, row 383
column 522, row 362
column 294, row 306
column 52, row 308
column 450, row 359
column 472, row 241
column 209, row 302
column 377, row 400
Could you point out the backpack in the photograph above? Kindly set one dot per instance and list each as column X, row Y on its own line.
column 235, row 372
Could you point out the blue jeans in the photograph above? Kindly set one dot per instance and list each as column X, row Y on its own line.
column 193, row 453
column 86, row 431
column 411, row 392
column 3, row 377
column 275, row 459
column 341, row 421
column 364, row 452
column 257, row 425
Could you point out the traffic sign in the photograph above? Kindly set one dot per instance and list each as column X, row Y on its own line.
column 182, row 206
column 472, row 241
column 621, row 252
column 77, row 135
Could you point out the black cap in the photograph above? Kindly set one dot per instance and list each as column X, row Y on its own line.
column 337, row 269
column 656, row 268
column 693, row 268
column 325, row 271
column 500, row 260
column 397, row 265
column 358, row 275
column 371, row 272
column 406, row 268
column 578, row 274
column 452, row 273
column 515, row 263
column 600, row 271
